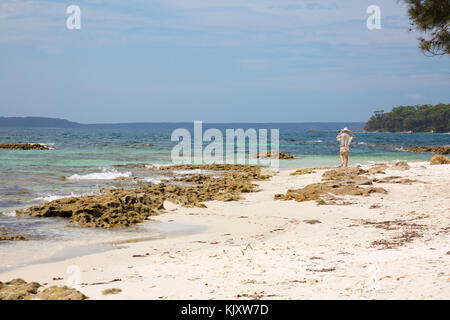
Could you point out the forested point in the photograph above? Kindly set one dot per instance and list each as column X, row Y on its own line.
column 420, row 118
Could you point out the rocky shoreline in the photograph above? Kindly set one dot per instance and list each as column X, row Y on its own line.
column 264, row 248
column 270, row 155
column 353, row 181
column 18, row 237
column 425, row 149
column 122, row 207
column 23, row 146
column 126, row 207
column 338, row 182
column 4, row 236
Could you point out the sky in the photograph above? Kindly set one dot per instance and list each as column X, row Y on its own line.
column 212, row 60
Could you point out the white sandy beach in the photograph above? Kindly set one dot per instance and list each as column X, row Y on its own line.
column 261, row 248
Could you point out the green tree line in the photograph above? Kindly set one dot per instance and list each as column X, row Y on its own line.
column 421, row 118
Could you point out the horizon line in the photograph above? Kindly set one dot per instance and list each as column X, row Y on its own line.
column 178, row 122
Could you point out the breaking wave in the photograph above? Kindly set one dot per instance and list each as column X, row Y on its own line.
column 106, row 174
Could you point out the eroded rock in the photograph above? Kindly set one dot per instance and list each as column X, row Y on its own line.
column 438, row 159
column 125, row 207
column 338, row 182
column 303, row 171
column 435, row 150
column 378, row 169
column 313, row 221
column 19, row 289
column 343, row 174
column 328, row 191
column 113, row 208
column 23, row 146
column 271, row 155
column 60, row 293
column 17, row 237
column 111, row 291
column 401, row 165
column 395, row 179
column 299, row 172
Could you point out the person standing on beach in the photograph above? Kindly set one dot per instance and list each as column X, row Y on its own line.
column 345, row 138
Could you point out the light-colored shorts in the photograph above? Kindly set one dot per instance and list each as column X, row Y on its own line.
column 344, row 149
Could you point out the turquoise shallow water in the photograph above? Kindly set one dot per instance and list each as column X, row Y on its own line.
column 83, row 160
column 86, row 159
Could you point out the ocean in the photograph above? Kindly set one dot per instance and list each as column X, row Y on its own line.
column 84, row 160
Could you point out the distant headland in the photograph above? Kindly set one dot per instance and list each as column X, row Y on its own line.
column 45, row 122
column 420, row 118
column 37, row 122
column 403, row 119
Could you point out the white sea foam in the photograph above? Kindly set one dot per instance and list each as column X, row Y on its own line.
column 190, row 171
column 155, row 166
column 53, row 197
column 50, row 198
column 9, row 213
column 153, row 180
column 106, row 174
column 49, row 145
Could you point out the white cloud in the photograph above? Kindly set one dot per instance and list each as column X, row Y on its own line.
column 213, row 22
